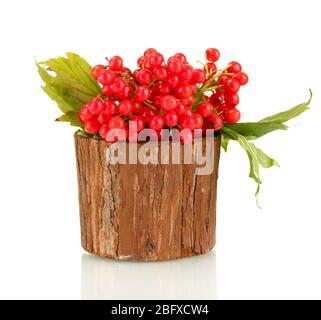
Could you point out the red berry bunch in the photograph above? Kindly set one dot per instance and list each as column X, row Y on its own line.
column 163, row 94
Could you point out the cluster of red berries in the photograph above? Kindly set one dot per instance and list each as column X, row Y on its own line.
column 161, row 94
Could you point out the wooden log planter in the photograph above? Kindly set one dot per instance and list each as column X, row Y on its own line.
column 144, row 211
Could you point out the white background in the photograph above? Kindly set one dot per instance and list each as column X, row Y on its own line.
column 269, row 253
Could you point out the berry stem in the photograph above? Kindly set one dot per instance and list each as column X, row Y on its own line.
column 148, row 103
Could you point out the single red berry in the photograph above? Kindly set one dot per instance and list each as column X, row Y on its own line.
column 116, row 63
column 156, row 122
column 149, row 51
column 183, row 91
column 116, row 122
column 180, row 109
column 137, row 106
column 140, row 122
column 106, row 77
column 199, row 76
column 126, row 71
column 95, row 106
column 84, row 114
column 189, row 101
column 216, row 99
column 142, row 94
column 242, row 78
column 232, row 99
column 160, row 73
column 167, row 103
column 118, row 85
column 140, row 62
column 103, row 131
column 232, row 115
column 125, row 93
column 234, row 67
column 110, row 108
column 155, row 59
column 187, row 122
column 92, row 126
column 107, row 91
column 173, row 80
column 214, row 121
column 210, row 67
column 181, row 57
column 97, row 70
column 174, row 66
column 198, row 121
column 205, row 109
column 125, row 107
column 212, row 54
column 147, row 113
column 103, row 118
column 171, row 118
column 162, row 88
column 231, row 86
column 144, row 76
column 187, row 73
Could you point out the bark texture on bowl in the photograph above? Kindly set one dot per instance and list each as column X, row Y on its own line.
column 144, row 212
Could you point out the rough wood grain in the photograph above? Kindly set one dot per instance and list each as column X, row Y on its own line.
column 144, row 212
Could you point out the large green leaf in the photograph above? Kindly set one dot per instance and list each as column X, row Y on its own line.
column 68, row 82
column 254, row 130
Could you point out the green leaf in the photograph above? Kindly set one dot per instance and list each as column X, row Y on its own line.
column 83, row 133
column 224, row 142
column 289, row 114
column 254, row 130
column 68, row 82
column 71, row 117
column 256, row 156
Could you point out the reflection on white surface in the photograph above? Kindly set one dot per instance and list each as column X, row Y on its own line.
column 188, row 278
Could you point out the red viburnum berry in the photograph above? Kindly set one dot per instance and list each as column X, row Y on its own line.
column 156, row 122
column 140, row 122
column 212, row 54
column 199, row 76
column 242, row 78
column 160, row 73
column 125, row 107
column 232, row 115
column 214, row 121
column 116, row 122
column 106, row 77
column 183, row 91
column 84, row 114
column 92, row 125
column 167, row 103
column 155, row 59
column 174, row 66
column 142, row 93
column 144, row 76
column 97, row 70
column 234, row 67
column 187, row 121
column 95, row 106
column 116, row 63
column 170, row 118
column 231, row 86
column 205, row 109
